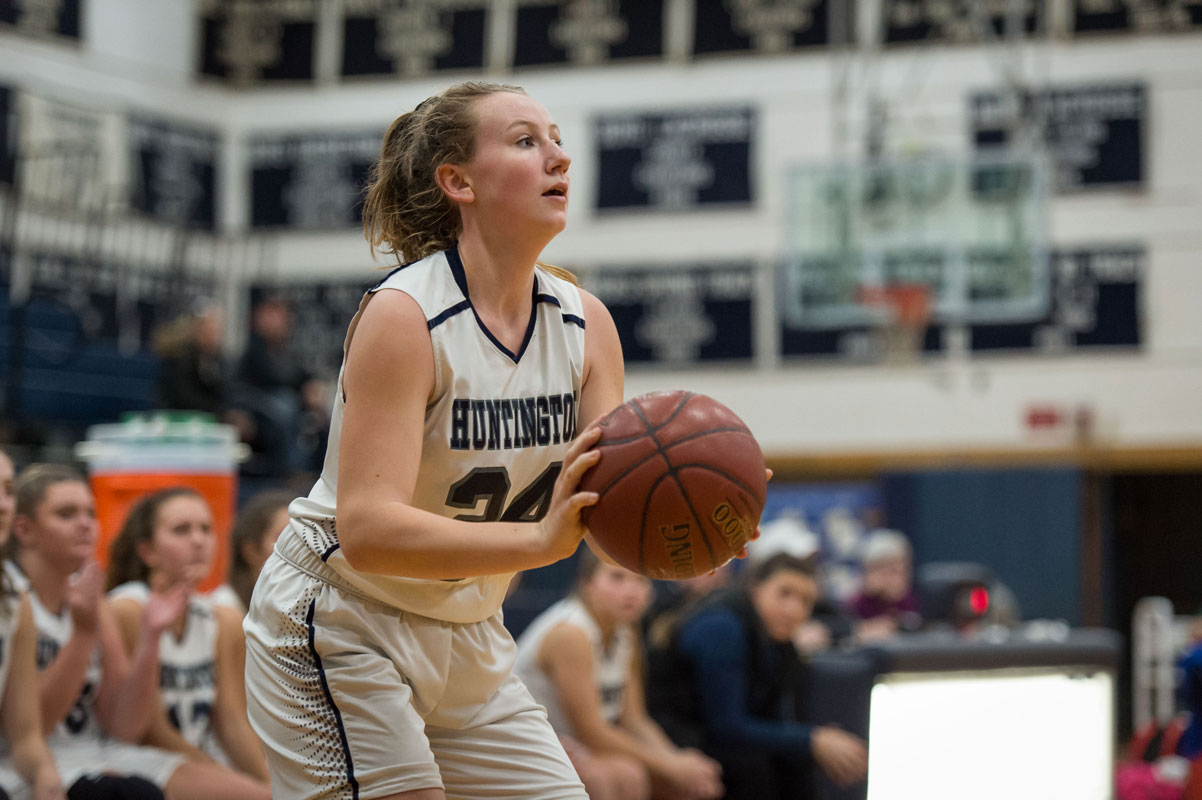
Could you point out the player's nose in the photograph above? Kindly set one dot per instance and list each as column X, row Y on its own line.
column 559, row 160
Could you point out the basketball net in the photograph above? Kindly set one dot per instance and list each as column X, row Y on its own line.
column 901, row 313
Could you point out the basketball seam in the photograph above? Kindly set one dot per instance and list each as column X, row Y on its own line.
column 679, row 485
column 638, row 410
column 672, row 416
column 643, row 519
column 689, row 438
column 651, row 430
column 737, row 482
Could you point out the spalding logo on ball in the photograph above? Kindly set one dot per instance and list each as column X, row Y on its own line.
column 682, row 485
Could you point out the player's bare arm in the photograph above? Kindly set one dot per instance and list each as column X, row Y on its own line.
column 387, row 383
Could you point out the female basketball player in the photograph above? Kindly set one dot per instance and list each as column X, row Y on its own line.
column 167, row 541
column 377, row 664
column 582, row 659
column 20, row 716
column 94, row 698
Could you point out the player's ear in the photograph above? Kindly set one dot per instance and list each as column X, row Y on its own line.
column 454, row 182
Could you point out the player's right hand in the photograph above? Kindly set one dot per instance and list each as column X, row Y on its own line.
column 84, row 591
column 696, row 776
column 562, row 527
column 841, row 755
column 163, row 608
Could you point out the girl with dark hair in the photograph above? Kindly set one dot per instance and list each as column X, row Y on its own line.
column 256, row 527
column 377, row 661
column 167, row 545
column 732, row 683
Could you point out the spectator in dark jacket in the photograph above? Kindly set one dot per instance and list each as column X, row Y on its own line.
column 271, row 386
column 732, row 683
column 192, row 371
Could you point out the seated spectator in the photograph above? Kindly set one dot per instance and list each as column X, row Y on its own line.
column 27, row 758
column 886, row 602
column 192, row 372
column 95, row 700
column 167, row 545
column 827, row 626
column 258, row 524
column 732, row 682
column 270, row 386
column 582, row 659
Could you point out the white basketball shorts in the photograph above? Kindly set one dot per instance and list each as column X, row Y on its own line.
column 95, row 757
column 356, row 699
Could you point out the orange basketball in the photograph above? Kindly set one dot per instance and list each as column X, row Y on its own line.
column 682, row 485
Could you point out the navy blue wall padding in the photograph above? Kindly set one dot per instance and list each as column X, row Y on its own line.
column 1025, row 524
column 72, row 378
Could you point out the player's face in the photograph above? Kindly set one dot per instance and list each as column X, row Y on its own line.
column 519, row 172
column 181, row 547
column 784, row 602
column 63, row 529
column 619, row 595
column 7, row 498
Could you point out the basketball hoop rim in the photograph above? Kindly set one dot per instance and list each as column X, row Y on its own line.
column 908, row 304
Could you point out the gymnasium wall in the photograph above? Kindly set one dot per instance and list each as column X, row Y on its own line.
column 139, row 56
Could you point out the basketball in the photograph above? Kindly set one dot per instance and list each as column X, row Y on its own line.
column 682, row 485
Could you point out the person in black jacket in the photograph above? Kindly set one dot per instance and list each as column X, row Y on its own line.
column 271, row 385
column 193, row 375
column 731, row 682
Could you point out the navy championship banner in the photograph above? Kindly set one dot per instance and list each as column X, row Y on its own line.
column 43, row 19
column 584, row 32
column 1094, row 302
column 1094, row 133
column 251, row 41
column 174, row 172
column 764, row 26
column 383, row 37
column 928, row 21
column 675, row 161
column 680, row 315
column 310, row 181
column 1152, row 16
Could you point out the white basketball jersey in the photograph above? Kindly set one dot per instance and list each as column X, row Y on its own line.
column 187, row 667
column 612, row 664
column 54, row 630
column 10, row 609
column 497, row 426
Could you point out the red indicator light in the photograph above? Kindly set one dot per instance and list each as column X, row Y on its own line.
column 978, row 600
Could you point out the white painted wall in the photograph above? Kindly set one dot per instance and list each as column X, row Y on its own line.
column 139, row 54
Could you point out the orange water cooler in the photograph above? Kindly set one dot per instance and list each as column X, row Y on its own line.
column 130, row 459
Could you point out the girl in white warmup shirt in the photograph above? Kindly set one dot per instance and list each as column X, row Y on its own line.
column 167, row 541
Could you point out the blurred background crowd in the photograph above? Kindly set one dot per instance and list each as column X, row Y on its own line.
column 942, row 258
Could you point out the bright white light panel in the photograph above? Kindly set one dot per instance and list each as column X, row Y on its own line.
column 996, row 735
